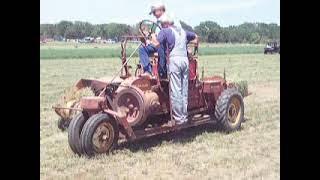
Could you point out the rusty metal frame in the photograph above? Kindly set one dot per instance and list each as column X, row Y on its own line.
column 148, row 132
column 124, row 58
column 122, row 120
column 76, row 109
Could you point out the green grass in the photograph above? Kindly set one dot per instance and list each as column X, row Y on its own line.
column 251, row 153
column 83, row 51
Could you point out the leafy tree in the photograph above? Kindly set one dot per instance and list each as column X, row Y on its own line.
column 48, row 30
column 254, row 38
column 207, row 30
column 62, row 26
column 186, row 27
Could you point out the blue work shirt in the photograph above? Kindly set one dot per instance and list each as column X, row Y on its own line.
column 166, row 38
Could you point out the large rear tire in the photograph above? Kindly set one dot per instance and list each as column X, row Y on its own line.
column 99, row 135
column 74, row 131
column 229, row 110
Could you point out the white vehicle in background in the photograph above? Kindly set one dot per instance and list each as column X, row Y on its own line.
column 87, row 40
column 110, row 41
column 98, row 40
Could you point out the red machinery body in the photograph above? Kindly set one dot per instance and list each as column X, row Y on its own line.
column 136, row 101
column 135, row 105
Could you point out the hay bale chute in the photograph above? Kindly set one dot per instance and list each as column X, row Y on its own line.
column 71, row 99
column 74, row 94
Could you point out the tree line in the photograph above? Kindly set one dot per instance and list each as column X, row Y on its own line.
column 208, row 31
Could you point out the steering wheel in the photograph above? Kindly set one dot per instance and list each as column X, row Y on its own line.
column 147, row 27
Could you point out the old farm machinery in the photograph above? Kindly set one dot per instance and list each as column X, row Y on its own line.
column 130, row 106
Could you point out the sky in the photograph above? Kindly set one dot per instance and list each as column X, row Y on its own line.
column 224, row 12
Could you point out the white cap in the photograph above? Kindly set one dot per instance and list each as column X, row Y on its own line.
column 157, row 5
column 165, row 18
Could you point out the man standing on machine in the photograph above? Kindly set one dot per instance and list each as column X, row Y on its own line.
column 175, row 40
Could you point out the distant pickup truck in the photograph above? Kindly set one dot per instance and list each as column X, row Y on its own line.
column 272, row 47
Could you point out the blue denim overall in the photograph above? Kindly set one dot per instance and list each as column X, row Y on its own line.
column 146, row 51
column 178, row 71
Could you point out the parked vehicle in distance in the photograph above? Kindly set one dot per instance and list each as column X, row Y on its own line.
column 272, row 47
column 110, row 41
column 87, row 40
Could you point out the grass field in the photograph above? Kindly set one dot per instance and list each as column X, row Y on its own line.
column 83, row 51
column 202, row 152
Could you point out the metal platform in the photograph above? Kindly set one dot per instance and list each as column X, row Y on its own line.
column 165, row 128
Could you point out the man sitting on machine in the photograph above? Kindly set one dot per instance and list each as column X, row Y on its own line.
column 157, row 9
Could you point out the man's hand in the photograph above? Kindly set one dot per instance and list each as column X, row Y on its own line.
column 153, row 37
column 154, row 40
column 148, row 42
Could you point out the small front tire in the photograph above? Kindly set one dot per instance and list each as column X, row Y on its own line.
column 99, row 135
column 74, row 132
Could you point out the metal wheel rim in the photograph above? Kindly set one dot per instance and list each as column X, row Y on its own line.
column 103, row 137
column 234, row 111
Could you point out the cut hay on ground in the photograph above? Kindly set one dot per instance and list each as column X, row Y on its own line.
column 74, row 94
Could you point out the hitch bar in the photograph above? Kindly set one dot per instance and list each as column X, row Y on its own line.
column 76, row 109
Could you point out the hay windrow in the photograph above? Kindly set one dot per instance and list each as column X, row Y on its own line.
column 242, row 86
column 73, row 94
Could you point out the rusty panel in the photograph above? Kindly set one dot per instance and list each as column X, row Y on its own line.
column 91, row 103
column 217, row 91
column 211, row 87
column 214, row 79
column 193, row 68
column 214, row 88
column 195, row 97
column 142, row 83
